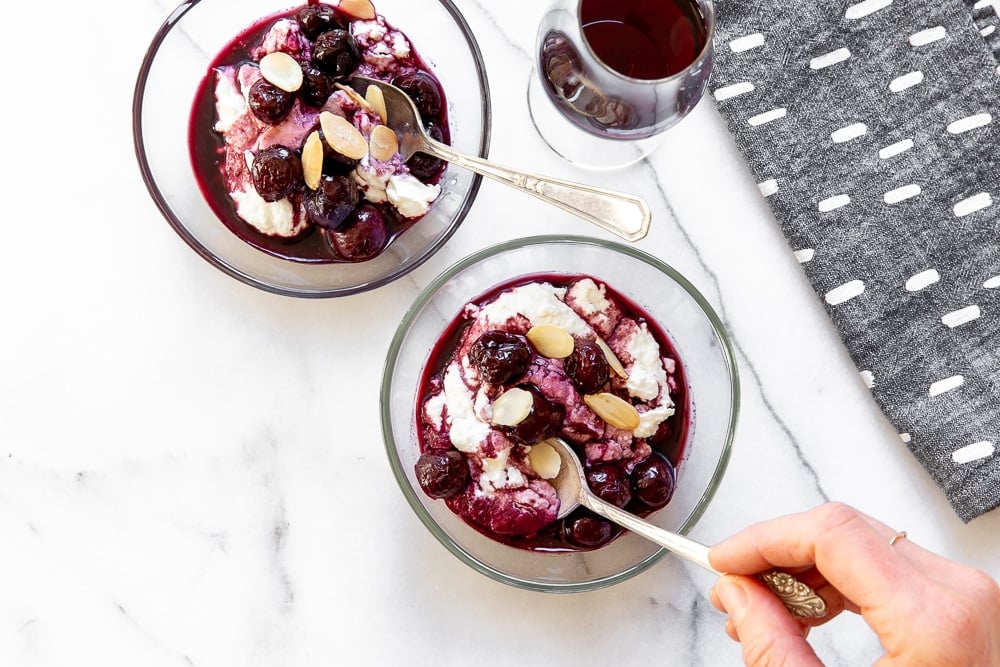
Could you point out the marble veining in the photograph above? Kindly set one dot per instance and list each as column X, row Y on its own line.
column 192, row 471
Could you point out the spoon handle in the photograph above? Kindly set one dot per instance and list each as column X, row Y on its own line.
column 623, row 214
column 798, row 598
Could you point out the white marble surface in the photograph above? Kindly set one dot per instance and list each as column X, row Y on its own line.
column 192, row 472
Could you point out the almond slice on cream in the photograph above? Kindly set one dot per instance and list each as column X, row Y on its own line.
column 376, row 99
column 383, row 144
column 512, row 407
column 282, row 70
column 342, row 136
column 614, row 410
column 359, row 9
column 613, row 361
column 544, row 460
column 356, row 97
column 551, row 341
column 312, row 160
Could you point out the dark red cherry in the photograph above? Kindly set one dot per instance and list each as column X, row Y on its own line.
column 500, row 357
column 363, row 236
column 588, row 531
column 332, row 202
column 336, row 53
column 423, row 90
column 316, row 86
column 543, row 421
column 276, row 172
column 424, row 166
column 654, row 480
column 587, row 367
column 610, row 483
column 441, row 474
column 315, row 19
column 269, row 103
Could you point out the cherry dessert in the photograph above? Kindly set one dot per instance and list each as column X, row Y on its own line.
column 540, row 357
column 274, row 96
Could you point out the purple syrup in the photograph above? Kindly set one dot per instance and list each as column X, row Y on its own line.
column 670, row 441
column 206, row 150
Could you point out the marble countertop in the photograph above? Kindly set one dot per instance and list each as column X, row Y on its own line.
column 192, row 470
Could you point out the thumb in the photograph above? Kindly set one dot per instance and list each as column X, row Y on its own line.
column 770, row 635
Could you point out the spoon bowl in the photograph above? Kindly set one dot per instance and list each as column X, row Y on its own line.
column 623, row 214
column 571, row 485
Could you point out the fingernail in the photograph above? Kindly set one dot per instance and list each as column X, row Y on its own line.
column 731, row 594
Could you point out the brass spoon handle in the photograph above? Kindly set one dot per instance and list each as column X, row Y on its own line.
column 798, row 598
column 623, row 214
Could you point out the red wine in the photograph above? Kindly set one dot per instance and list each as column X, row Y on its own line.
column 644, row 39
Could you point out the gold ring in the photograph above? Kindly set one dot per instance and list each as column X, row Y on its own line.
column 898, row 536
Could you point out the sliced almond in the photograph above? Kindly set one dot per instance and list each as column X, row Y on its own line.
column 383, row 144
column 613, row 361
column 512, row 407
column 376, row 99
column 615, row 411
column 342, row 136
column 282, row 70
column 544, row 460
column 359, row 9
column 356, row 96
column 551, row 341
column 312, row 160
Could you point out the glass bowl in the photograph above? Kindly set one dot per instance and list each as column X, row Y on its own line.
column 178, row 59
column 701, row 343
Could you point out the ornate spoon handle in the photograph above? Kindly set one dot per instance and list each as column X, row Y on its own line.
column 798, row 598
column 623, row 214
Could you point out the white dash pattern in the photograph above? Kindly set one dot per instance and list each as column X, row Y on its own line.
column 747, row 42
column 946, row 385
column 845, row 292
column 768, row 187
column 928, row 36
column 923, row 279
column 862, row 9
column 835, row 202
column 901, row 83
column 972, row 204
column 767, row 116
column 831, row 58
column 957, row 318
column 804, row 255
column 733, row 90
column 901, row 194
column 852, row 131
column 973, row 452
column 895, row 149
column 970, row 123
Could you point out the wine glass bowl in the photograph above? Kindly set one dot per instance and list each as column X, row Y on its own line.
column 610, row 77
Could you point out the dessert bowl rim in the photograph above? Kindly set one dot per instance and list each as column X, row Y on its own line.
column 160, row 200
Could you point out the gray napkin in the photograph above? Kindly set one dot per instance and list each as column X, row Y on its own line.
column 872, row 130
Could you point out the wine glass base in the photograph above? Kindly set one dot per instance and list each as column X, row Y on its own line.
column 576, row 146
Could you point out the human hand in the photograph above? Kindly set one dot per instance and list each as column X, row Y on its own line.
column 925, row 609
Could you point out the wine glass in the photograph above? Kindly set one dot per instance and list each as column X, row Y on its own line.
column 611, row 75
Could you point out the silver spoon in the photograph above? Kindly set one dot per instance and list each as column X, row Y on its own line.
column 571, row 485
column 623, row 214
